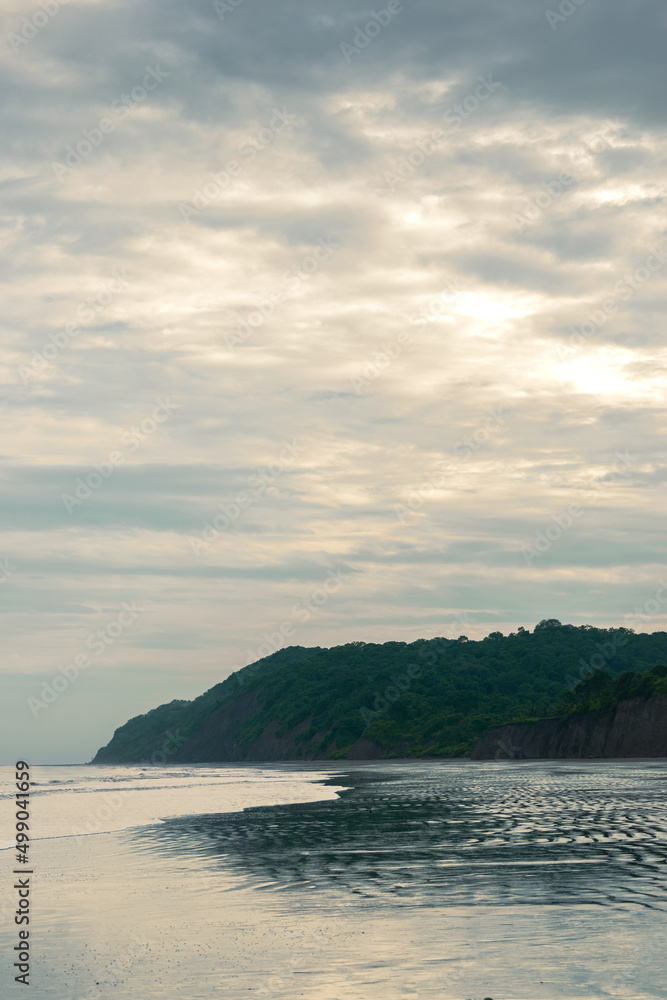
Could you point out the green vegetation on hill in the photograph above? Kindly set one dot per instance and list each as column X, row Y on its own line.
column 433, row 697
column 601, row 692
column 143, row 736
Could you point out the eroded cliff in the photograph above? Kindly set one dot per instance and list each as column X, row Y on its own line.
column 636, row 727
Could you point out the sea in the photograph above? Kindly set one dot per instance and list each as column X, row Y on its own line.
column 400, row 880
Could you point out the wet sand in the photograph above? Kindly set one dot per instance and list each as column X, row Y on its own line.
column 517, row 881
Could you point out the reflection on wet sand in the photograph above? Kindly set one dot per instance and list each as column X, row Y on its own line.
column 454, row 835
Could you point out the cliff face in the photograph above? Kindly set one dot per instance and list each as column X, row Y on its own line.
column 634, row 728
column 216, row 740
column 429, row 698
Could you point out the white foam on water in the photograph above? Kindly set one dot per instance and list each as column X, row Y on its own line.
column 85, row 800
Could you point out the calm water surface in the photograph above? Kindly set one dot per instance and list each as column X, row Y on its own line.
column 511, row 880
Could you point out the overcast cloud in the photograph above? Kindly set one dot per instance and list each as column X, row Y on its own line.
column 387, row 303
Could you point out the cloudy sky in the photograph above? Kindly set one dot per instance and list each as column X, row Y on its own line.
column 320, row 324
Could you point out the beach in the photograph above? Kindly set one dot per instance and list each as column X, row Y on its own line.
column 512, row 880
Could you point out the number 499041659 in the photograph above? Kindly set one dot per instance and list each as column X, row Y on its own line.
column 22, row 812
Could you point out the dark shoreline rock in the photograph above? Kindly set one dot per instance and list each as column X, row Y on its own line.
column 634, row 728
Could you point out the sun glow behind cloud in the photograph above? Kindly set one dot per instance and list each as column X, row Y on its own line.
column 385, row 361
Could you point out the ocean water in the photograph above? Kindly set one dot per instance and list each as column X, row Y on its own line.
column 514, row 880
